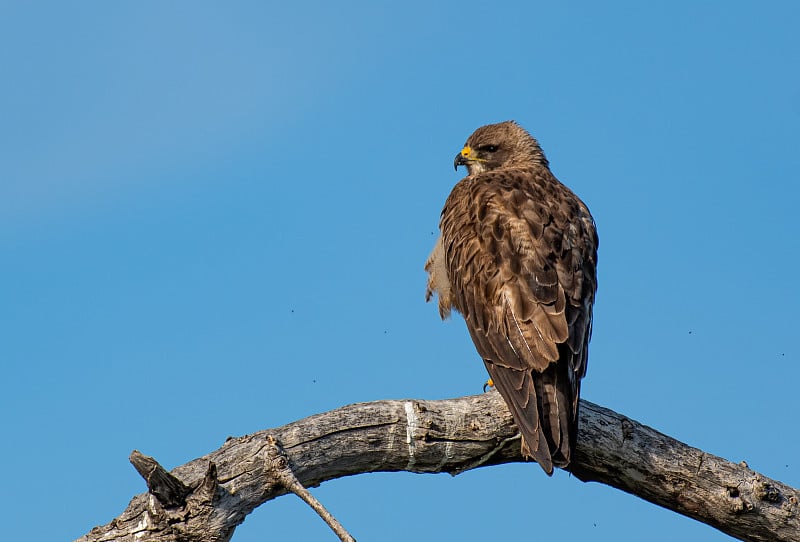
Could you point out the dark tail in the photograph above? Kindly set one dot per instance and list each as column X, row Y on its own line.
column 545, row 408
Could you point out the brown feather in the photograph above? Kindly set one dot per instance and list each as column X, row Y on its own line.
column 517, row 258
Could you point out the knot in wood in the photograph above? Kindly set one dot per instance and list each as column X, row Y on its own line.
column 768, row 492
column 275, row 458
column 738, row 504
column 627, row 430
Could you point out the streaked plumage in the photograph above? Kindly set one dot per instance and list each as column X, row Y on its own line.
column 517, row 258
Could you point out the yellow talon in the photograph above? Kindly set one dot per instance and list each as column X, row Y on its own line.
column 489, row 384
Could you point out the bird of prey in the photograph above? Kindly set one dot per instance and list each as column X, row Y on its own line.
column 517, row 258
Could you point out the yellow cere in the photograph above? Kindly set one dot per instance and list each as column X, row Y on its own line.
column 468, row 153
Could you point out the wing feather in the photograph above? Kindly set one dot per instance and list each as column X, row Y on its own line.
column 521, row 250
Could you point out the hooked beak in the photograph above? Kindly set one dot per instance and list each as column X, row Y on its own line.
column 464, row 157
column 460, row 160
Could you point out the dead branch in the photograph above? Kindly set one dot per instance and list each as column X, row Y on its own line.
column 205, row 499
column 279, row 464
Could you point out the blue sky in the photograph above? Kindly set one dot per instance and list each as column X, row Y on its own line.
column 213, row 220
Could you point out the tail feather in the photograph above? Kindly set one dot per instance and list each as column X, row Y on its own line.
column 544, row 407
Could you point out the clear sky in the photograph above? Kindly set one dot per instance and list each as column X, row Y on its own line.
column 214, row 217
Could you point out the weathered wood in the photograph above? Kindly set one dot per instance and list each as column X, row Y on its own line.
column 625, row 454
column 169, row 491
column 281, row 467
column 452, row 436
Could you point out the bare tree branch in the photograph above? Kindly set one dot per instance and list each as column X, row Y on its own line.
column 282, row 470
column 446, row 436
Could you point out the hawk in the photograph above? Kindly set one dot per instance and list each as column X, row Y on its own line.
column 517, row 257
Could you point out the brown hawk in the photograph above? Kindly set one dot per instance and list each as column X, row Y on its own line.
column 517, row 258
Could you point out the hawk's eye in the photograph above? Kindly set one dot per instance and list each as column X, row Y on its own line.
column 488, row 148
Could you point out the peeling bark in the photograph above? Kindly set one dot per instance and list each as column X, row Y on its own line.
column 205, row 499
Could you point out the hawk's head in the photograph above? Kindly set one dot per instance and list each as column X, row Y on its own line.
column 505, row 144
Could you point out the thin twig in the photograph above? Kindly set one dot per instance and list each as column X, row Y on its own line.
column 278, row 463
